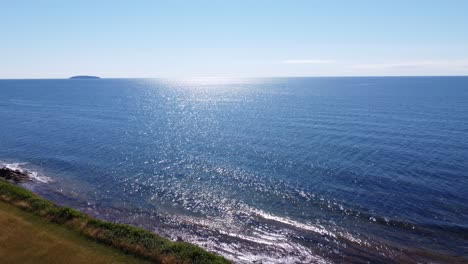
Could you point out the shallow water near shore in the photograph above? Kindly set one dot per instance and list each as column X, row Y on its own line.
column 277, row 170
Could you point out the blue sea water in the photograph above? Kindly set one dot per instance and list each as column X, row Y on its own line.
column 281, row 170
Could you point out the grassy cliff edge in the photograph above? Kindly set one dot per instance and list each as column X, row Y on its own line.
column 127, row 238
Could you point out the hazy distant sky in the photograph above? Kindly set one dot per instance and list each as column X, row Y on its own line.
column 54, row 39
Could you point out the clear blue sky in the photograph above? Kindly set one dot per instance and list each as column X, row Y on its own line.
column 54, row 39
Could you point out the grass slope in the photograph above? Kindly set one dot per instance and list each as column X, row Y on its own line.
column 130, row 239
column 26, row 238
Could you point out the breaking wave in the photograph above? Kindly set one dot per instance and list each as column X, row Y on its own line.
column 23, row 167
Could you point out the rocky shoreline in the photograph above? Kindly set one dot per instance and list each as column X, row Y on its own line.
column 14, row 175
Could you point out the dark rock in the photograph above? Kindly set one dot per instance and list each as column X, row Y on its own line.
column 14, row 175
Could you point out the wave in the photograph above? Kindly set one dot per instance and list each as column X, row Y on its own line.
column 22, row 167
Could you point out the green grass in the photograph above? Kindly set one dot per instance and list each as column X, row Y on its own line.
column 29, row 239
column 130, row 239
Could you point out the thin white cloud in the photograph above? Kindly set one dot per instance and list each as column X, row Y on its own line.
column 420, row 64
column 308, row 61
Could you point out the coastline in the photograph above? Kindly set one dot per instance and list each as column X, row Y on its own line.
column 21, row 191
column 126, row 238
column 27, row 238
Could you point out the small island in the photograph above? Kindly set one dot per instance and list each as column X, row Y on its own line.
column 84, row 77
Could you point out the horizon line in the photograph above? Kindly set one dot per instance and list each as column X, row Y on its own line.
column 250, row 77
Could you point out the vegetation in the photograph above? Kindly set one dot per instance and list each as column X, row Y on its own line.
column 130, row 239
column 29, row 239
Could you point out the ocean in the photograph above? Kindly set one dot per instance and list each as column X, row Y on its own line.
column 268, row 170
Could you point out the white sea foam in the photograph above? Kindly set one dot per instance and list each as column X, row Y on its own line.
column 275, row 241
column 314, row 228
column 21, row 166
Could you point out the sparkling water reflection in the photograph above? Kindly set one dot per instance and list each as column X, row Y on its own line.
column 271, row 170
